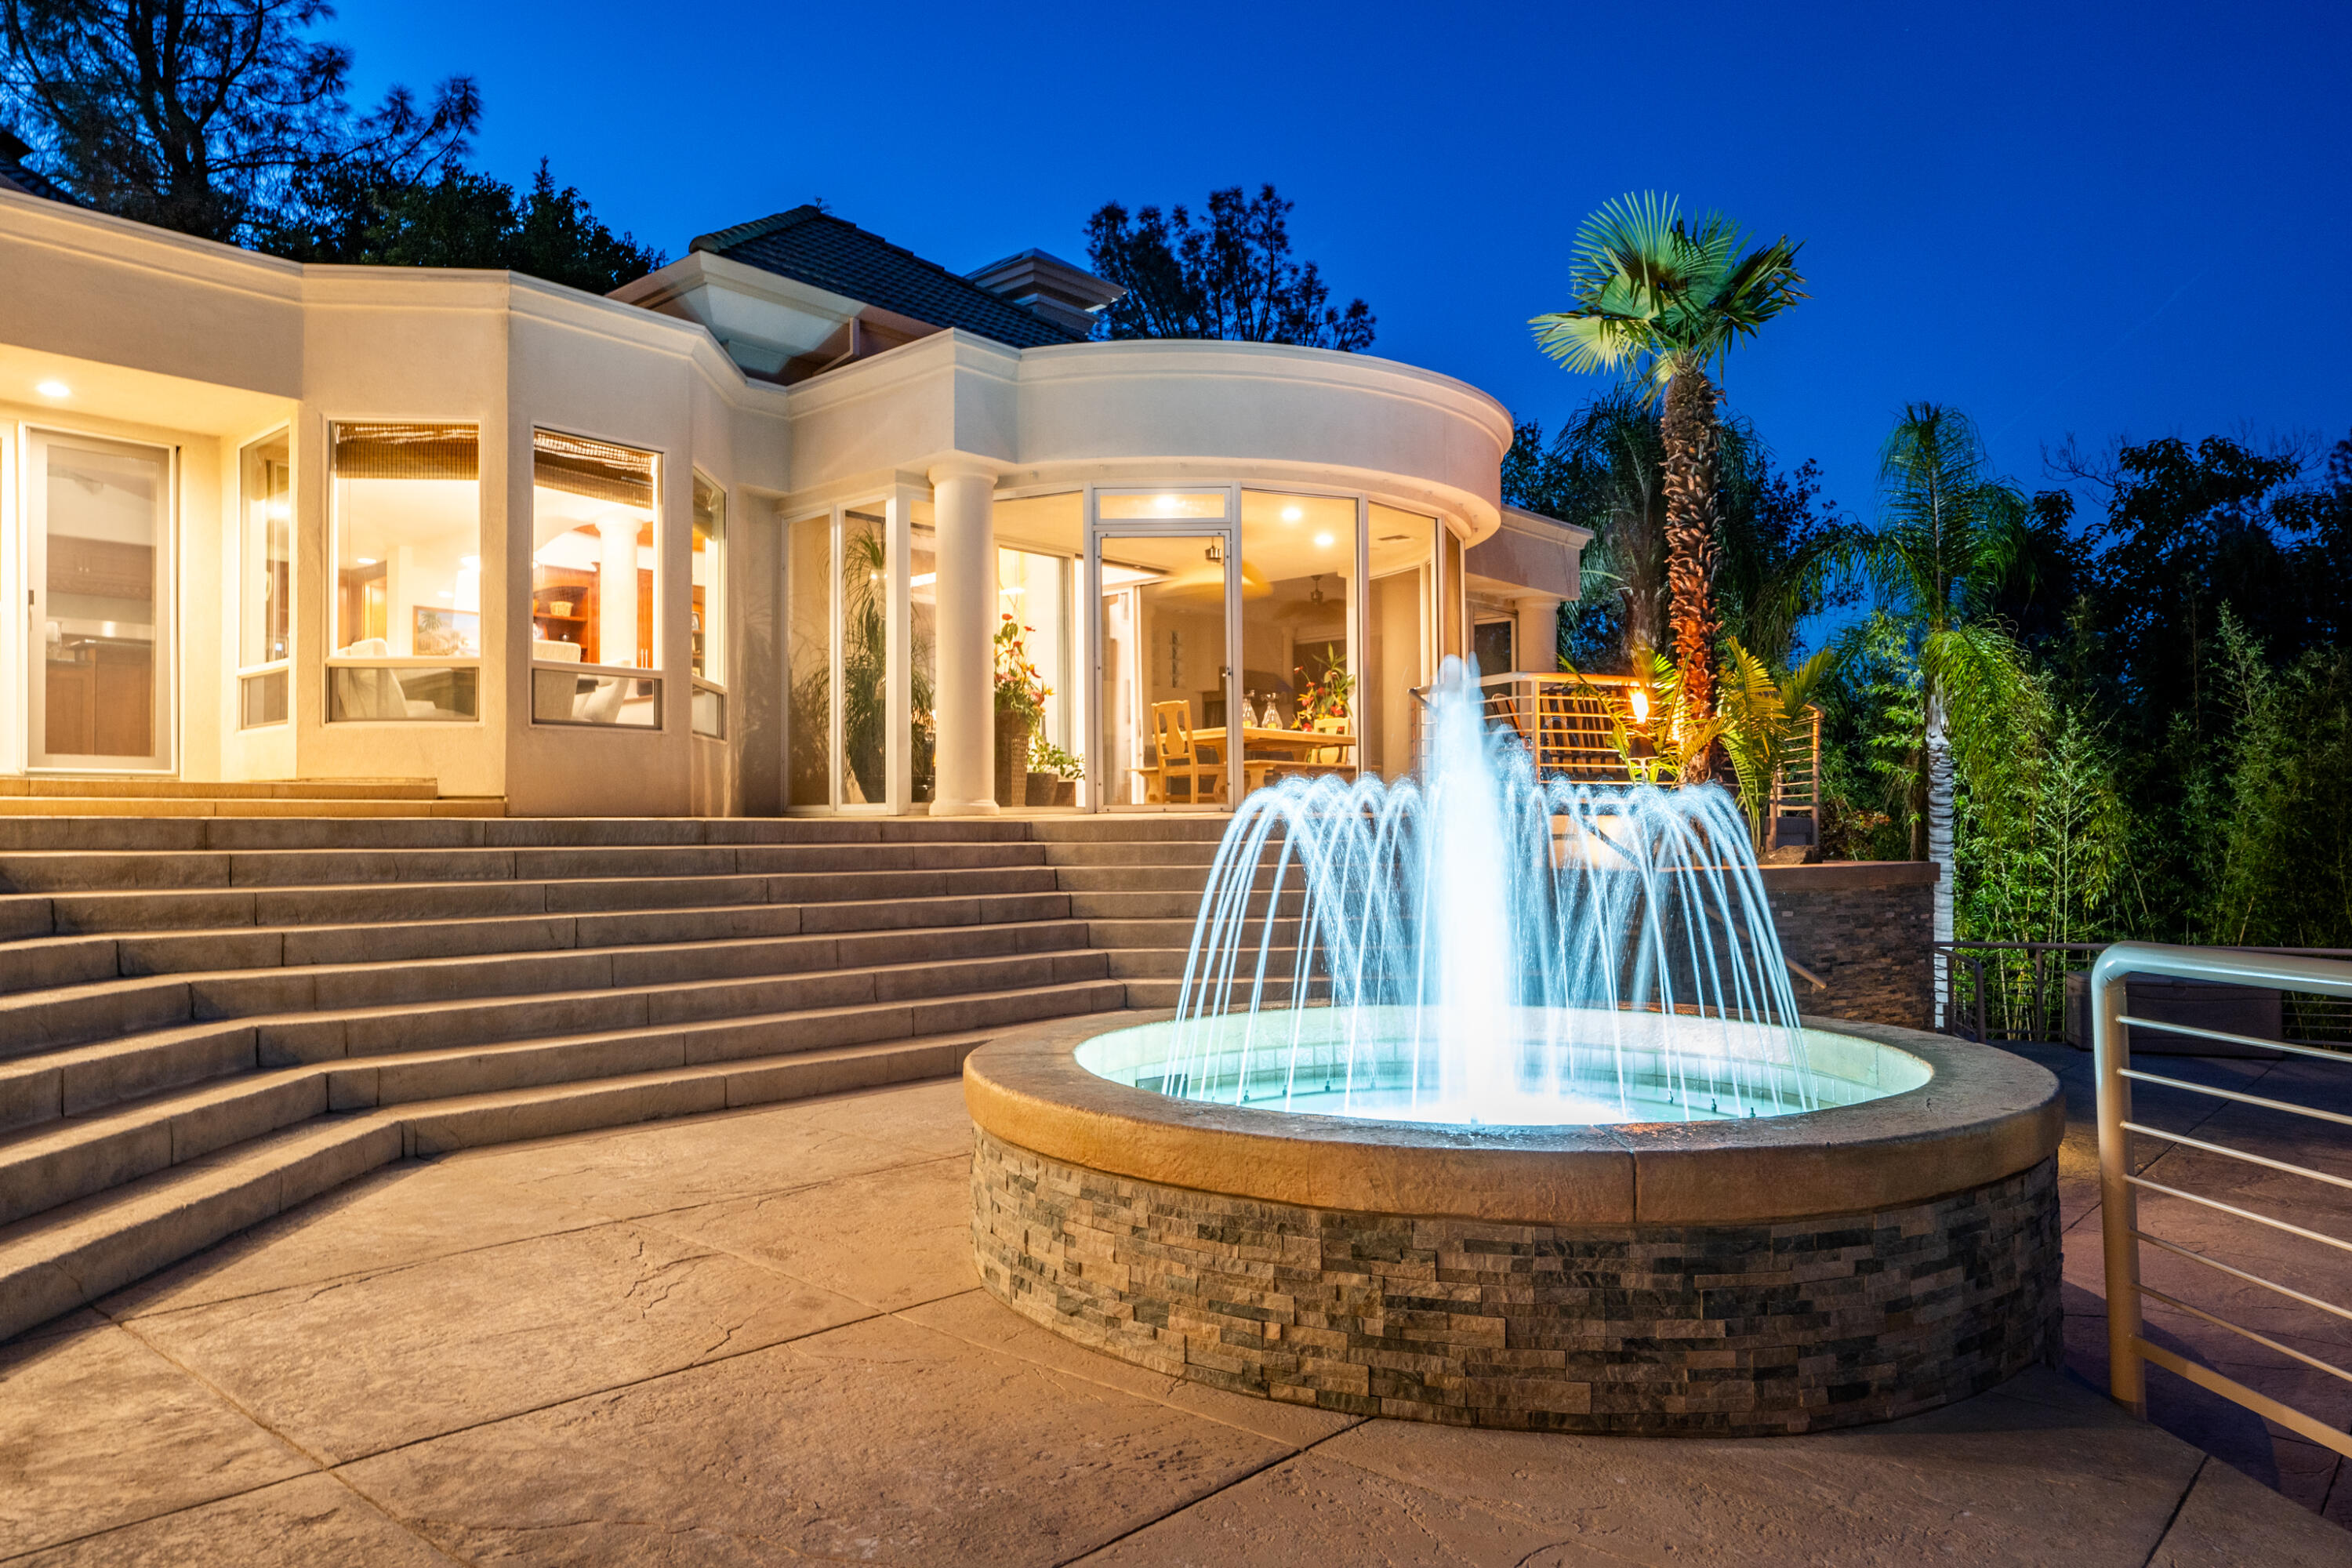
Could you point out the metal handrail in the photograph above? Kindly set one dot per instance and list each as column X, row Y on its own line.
column 2129, row 1351
column 2016, row 991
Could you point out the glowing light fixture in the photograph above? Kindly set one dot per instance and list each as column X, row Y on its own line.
column 1640, row 699
column 1291, row 514
column 54, row 389
column 922, row 579
column 367, row 559
column 1323, row 541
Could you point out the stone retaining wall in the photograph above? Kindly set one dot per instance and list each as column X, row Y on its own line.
column 1732, row 1330
column 1865, row 927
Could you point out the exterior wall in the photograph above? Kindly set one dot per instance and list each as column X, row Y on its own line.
column 204, row 347
column 1730, row 1330
column 1865, row 928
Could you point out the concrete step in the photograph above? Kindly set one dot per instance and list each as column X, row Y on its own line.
column 1114, row 935
column 42, row 914
column 156, row 831
column 38, row 1021
column 14, row 808
column 76, row 1254
column 1168, row 962
column 117, row 787
column 46, row 962
column 1124, row 828
column 1147, row 992
column 1172, row 904
column 66, row 872
column 72, row 1158
column 1124, row 852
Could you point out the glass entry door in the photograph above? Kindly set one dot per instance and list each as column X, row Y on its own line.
column 1164, row 623
column 97, row 549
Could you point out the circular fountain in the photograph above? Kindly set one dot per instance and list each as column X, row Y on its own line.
column 1487, row 1101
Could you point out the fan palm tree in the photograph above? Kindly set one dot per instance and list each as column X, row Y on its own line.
column 1949, row 535
column 1663, row 302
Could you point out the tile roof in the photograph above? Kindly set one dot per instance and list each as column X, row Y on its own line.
column 15, row 177
column 816, row 248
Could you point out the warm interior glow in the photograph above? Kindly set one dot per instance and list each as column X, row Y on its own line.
column 54, row 389
column 1323, row 541
column 1291, row 514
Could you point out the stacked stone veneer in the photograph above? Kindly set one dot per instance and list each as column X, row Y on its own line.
column 1725, row 1328
column 1865, row 926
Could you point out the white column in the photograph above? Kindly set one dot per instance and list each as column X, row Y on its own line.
column 963, row 688
column 1538, row 633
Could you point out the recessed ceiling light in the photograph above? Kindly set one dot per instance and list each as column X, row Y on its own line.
column 1291, row 514
column 1323, row 540
column 54, row 389
column 367, row 559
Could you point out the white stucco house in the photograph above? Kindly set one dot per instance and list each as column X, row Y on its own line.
column 734, row 539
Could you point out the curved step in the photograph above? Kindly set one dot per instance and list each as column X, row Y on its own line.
column 74, row 1157
column 74, row 1255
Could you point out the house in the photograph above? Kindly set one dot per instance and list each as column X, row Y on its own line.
column 738, row 539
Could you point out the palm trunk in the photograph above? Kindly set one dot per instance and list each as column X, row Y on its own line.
column 1940, row 838
column 1688, row 431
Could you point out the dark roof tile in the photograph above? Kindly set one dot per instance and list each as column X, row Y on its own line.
column 818, row 248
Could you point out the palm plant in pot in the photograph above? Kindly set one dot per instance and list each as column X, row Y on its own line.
column 1021, row 696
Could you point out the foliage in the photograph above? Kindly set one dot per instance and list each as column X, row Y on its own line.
column 1760, row 718
column 1661, row 301
column 370, row 216
column 207, row 116
column 1021, row 690
column 1229, row 276
column 865, row 664
column 1047, row 757
column 1661, row 735
column 1776, row 536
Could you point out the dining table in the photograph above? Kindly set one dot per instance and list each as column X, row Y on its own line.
column 1290, row 751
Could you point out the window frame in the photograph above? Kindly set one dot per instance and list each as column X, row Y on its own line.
column 655, row 676
column 330, row 660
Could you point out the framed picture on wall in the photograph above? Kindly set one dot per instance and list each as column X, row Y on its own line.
column 447, row 634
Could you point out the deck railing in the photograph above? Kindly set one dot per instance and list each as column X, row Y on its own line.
column 2128, row 1350
column 1564, row 721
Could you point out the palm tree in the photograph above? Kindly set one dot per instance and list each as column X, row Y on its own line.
column 1663, row 302
column 1949, row 535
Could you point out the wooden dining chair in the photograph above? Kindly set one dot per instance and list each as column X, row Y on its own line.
column 1181, row 757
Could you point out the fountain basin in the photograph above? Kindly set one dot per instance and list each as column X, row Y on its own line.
column 1779, row 1274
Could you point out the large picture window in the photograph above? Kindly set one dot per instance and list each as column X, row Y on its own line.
column 595, row 569
column 264, row 592
column 406, row 611
column 708, row 608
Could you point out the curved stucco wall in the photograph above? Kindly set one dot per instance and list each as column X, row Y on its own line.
column 1107, row 411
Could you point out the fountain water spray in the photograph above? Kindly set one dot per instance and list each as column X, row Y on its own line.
column 1482, row 946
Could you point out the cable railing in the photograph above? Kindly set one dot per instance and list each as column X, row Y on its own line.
column 1566, row 721
column 2037, row 992
column 2129, row 1349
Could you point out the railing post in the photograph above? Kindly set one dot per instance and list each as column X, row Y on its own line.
column 2118, row 1202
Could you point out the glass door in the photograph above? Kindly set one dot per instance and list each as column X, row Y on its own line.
column 97, row 548
column 1164, row 613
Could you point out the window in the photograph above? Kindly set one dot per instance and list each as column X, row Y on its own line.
column 1491, row 644
column 709, row 608
column 594, row 581
column 265, row 608
column 1399, row 635
column 808, row 587
column 406, row 613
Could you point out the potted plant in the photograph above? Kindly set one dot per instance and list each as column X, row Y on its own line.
column 1056, row 771
column 1019, row 704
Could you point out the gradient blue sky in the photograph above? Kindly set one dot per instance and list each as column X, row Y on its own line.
column 2103, row 219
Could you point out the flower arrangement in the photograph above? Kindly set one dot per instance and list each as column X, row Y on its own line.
column 1325, row 694
column 1020, row 689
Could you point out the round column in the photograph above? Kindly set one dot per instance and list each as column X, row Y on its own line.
column 1538, row 633
column 963, row 688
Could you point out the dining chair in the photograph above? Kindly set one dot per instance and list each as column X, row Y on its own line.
column 1181, row 757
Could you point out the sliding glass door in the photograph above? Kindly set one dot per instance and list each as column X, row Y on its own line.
column 99, row 563
column 1167, row 733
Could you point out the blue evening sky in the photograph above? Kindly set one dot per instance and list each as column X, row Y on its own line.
column 2129, row 218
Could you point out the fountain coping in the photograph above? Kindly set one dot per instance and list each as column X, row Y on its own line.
column 1982, row 1115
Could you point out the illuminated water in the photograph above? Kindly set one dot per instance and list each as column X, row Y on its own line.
column 1483, row 947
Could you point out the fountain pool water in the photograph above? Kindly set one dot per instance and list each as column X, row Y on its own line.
column 1488, row 1102
column 1485, row 948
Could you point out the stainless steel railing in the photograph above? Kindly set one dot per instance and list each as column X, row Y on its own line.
column 2129, row 1351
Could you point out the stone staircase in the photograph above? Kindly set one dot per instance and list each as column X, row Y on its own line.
column 115, row 795
column 207, row 1020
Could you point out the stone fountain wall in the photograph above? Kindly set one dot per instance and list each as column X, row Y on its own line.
column 1866, row 928
column 1724, row 1329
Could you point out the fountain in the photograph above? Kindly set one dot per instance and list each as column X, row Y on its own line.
column 1486, row 1099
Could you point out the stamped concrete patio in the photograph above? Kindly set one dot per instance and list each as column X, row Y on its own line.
column 756, row 1338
